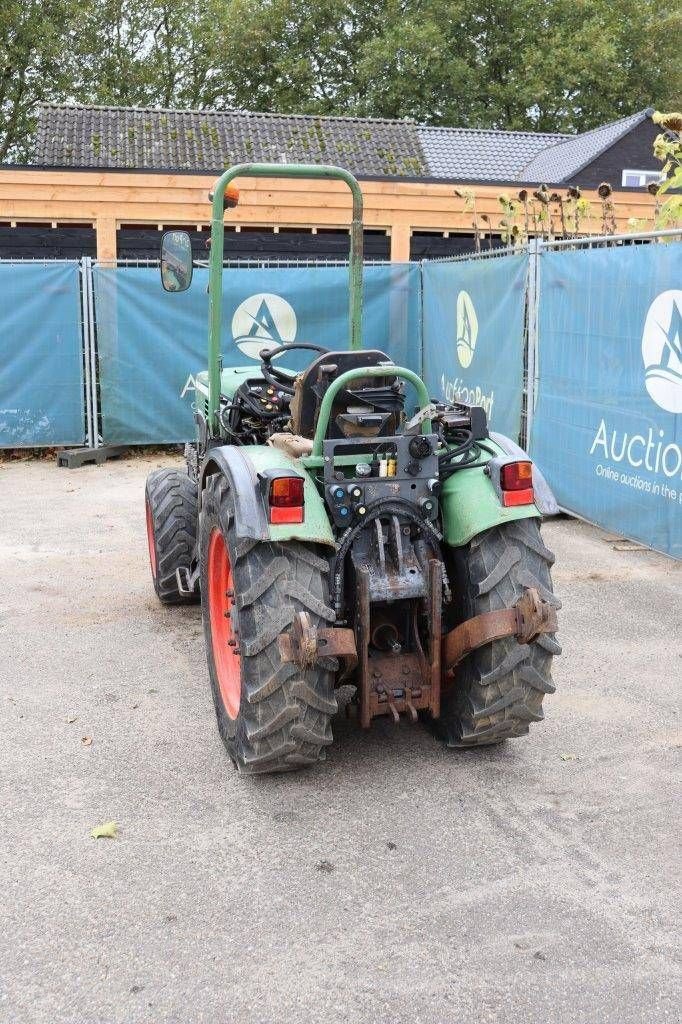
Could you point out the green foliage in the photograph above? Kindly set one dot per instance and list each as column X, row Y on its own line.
column 534, row 64
column 668, row 149
column 545, row 64
column 36, row 63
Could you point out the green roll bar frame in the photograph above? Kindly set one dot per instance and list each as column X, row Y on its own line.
column 215, row 291
column 388, row 370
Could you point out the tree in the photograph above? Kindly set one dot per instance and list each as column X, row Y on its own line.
column 36, row 39
column 139, row 53
column 545, row 64
column 550, row 65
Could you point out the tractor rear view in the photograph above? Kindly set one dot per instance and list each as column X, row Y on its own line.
column 337, row 537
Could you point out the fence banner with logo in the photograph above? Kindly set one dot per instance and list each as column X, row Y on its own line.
column 41, row 358
column 473, row 335
column 151, row 342
column 607, row 430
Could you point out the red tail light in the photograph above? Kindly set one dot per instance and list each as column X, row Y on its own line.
column 286, row 499
column 516, row 481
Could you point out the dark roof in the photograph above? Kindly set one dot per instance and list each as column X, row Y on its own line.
column 130, row 137
column 209, row 140
column 480, row 154
column 562, row 160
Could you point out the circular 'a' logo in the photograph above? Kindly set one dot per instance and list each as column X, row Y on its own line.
column 662, row 350
column 467, row 329
column 263, row 321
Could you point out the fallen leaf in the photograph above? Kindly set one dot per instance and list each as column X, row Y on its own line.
column 569, row 757
column 152, row 691
column 86, row 741
column 109, row 830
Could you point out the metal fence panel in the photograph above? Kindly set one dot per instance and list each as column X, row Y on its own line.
column 473, row 334
column 607, row 429
column 151, row 343
column 42, row 390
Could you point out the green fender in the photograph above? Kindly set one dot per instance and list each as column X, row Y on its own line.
column 242, row 466
column 470, row 505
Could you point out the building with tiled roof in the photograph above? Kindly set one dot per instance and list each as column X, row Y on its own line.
column 120, row 173
column 209, row 140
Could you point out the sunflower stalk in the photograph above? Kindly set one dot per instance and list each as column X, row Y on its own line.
column 469, row 198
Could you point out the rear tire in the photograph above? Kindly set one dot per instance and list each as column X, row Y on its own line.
column 499, row 688
column 272, row 716
column 171, row 511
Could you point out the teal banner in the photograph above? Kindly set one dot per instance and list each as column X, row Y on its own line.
column 41, row 357
column 473, row 335
column 151, row 343
column 607, row 430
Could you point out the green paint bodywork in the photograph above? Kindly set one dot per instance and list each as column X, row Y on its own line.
column 215, row 285
column 317, row 528
column 470, row 505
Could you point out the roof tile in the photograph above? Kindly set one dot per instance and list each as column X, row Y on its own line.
column 126, row 137
column 208, row 140
column 559, row 162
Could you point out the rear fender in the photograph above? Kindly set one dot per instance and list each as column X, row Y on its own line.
column 544, row 495
column 470, row 504
column 243, row 467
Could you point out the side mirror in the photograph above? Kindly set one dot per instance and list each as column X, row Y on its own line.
column 176, row 261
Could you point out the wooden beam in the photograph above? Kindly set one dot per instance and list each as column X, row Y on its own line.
column 400, row 243
column 105, row 197
column 106, row 239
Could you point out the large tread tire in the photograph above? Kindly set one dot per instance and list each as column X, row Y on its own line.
column 283, row 721
column 499, row 688
column 172, row 513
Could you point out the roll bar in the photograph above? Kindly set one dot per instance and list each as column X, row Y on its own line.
column 217, row 251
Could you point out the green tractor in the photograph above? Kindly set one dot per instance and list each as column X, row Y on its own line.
column 337, row 538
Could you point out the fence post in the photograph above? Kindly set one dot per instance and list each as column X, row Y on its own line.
column 85, row 324
column 534, row 248
column 92, row 355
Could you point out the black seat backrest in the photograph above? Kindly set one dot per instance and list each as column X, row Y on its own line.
column 311, row 384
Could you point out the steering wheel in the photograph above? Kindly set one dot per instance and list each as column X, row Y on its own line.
column 281, row 378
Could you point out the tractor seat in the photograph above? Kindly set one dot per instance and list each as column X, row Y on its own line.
column 368, row 408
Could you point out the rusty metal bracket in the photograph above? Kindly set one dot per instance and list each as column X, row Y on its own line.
column 306, row 644
column 535, row 616
column 529, row 617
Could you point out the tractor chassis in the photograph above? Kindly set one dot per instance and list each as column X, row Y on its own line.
column 404, row 682
column 383, row 654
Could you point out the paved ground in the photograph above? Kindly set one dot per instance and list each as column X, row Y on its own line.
column 399, row 882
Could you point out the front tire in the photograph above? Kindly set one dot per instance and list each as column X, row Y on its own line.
column 171, row 513
column 272, row 716
column 499, row 688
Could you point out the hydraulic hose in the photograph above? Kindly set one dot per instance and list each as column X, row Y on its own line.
column 379, row 508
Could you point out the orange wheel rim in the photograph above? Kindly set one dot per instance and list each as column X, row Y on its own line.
column 220, row 609
column 150, row 539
